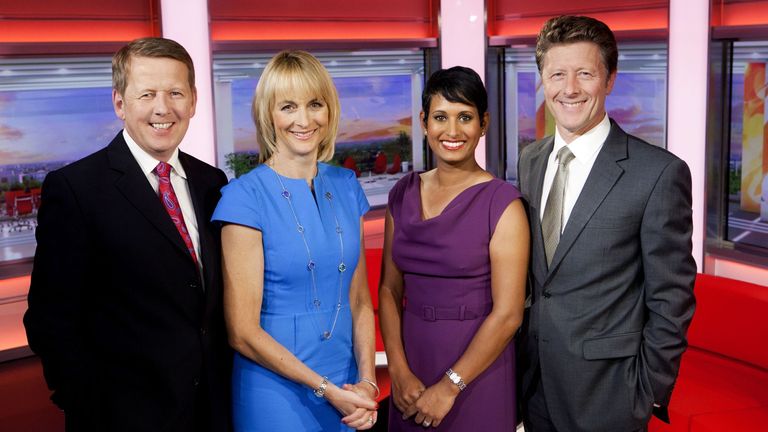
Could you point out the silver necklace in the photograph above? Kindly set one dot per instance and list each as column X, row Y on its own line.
column 310, row 262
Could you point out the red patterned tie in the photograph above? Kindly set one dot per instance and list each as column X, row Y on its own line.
column 171, row 204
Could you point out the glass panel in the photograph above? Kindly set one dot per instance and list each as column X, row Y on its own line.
column 638, row 101
column 747, row 221
column 52, row 112
column 379, row 133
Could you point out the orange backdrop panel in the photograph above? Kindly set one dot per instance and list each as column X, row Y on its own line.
column 77, row 20
column 739, row 13
column 524, row 18
column 233, row 20
column 73, row 31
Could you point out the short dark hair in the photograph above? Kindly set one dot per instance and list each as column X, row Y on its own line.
column 458, row 84
column 148, row 47
column 565, row 29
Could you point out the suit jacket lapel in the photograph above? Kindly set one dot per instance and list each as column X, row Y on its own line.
column 197, row 191
column 133, row 185
column 603, row 176
column 538, row 169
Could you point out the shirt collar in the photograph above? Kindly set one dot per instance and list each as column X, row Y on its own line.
column 147, row 162
column 586, row 146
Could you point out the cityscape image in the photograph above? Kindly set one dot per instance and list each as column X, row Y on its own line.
column 36, row 137
column 374, row 136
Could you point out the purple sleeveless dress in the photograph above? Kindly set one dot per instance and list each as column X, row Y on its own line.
column 446, row 267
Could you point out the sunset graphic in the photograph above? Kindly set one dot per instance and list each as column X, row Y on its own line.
column 372, row 108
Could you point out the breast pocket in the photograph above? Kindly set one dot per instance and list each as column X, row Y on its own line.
column 613, row 223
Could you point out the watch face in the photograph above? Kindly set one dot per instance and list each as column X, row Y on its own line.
column 454, row 377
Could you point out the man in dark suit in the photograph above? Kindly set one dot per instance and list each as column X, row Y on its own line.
column 125, row 307
column 611, row 272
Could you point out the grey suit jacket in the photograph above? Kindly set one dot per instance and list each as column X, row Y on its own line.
column 608, row 320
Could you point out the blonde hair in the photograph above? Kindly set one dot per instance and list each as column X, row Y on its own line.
column 290, row 71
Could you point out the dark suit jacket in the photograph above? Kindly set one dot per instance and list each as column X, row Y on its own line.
column 130, row 337
column 608, row 320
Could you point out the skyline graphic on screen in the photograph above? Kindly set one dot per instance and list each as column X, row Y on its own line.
column 372, row 108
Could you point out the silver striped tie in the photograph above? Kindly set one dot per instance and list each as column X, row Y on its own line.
column 552, row 222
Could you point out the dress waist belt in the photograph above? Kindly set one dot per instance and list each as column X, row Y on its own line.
column 462, row 312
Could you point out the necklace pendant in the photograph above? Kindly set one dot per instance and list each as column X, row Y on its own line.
column 316, row 302
column 328, row 196
column 326, row 335
column 342, row 268
column 286, row 194
column 311, row 265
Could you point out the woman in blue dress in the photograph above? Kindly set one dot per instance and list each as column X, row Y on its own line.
column 296, row 299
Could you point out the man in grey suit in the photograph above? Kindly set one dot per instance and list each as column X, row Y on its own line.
column 611, row 273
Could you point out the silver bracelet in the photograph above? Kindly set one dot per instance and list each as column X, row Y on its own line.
column 456, row 379
column 375, row 387
column 320, row 390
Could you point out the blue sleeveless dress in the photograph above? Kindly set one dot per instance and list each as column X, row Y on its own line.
column 263, row 400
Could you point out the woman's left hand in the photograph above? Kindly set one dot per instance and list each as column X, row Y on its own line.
column 360, row 418
column 434, row 404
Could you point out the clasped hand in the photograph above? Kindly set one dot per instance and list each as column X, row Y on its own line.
column 356, row 402
column 428, row 406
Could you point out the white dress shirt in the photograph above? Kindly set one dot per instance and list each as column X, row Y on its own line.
column 178, row 181
column 585, row 149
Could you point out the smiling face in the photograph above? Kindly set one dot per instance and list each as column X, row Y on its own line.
column 453, row 129
column 156, row 105
column 301, row 124
column 576, row 83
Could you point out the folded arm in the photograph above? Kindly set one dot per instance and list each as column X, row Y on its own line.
column 363, row 338
column 406, row 387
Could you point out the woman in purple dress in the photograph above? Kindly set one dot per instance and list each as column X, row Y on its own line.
column 453, row 274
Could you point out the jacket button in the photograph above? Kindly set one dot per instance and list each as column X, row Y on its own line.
column 546, row 294
column 193, row 285
column 196, row 382
column 203, row 331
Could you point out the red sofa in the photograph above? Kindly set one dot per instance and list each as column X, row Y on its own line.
column 723, row 380
column 373, row 264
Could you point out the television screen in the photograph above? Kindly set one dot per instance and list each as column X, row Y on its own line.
column 747, row 218
column 637, row 102
column 52, row 112
column 380, row 101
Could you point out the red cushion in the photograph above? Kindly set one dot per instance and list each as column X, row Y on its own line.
column 749, row 420
column 731, row 318
column 373, row 265
column 710, row 383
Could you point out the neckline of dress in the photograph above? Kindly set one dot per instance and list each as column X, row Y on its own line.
column 450, row 203
column 320, row 166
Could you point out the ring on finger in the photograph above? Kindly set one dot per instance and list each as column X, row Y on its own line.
column 426, row 423
column 371, row 420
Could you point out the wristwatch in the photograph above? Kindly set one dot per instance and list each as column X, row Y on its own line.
column 320, row 390
column 456, row 379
